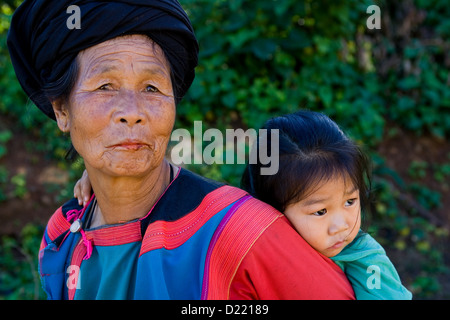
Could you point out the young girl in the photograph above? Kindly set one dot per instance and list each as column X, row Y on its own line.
column 321, row 186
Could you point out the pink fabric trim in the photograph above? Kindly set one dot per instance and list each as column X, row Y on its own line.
column 73, row 215
column 213, row 242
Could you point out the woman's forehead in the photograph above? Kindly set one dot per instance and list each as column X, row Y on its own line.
column 106, row 55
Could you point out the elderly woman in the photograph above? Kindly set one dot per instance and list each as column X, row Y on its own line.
column 151, row 230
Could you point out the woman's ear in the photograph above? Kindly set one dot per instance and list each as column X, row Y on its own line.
column 62, row 114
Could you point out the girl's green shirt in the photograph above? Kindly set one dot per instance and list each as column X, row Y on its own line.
column 369, row 270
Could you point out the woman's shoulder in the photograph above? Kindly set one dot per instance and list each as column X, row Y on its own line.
column 186, row 176
column 185, row 194
column 58, row 224
column 259, row 251
column 281, row 265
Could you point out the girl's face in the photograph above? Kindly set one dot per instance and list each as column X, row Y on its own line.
column 329, row 218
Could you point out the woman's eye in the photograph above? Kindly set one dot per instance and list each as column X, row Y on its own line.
column 150, row 88
column 320, row 212
column 106, row 86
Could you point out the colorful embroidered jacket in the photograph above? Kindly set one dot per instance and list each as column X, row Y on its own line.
column 201, row 240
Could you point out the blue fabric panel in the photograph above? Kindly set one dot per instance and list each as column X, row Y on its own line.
column 53, row 267
column 177, row 273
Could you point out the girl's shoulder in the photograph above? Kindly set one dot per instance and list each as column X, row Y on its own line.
column 365, row 241
column 363, row 246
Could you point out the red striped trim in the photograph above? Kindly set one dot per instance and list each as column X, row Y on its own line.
column 57, row 224
column 235, row 240
column 213, row 242
column 169, row 235
column 115, row 235
column 78, row 254
column 43, row 244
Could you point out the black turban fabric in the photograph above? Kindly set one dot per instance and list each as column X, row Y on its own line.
column 42, row 46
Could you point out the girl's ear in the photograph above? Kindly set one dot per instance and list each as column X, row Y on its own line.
column 62, row 114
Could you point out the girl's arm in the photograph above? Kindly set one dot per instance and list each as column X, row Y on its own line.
column 82, row 189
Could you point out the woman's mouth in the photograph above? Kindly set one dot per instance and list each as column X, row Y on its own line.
column 129, row 145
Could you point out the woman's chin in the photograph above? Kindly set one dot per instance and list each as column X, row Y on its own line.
column 128, row 166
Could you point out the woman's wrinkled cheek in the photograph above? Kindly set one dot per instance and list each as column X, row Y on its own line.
column 86, row 143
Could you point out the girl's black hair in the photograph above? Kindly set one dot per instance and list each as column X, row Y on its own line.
column 312, row 150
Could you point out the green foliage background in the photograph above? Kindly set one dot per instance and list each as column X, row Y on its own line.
column 259, row 59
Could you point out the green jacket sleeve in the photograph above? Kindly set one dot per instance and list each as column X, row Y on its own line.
column 369, row 270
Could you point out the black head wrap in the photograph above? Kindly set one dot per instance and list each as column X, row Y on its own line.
column 42, row 46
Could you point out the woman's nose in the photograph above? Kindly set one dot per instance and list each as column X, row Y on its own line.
column 130, row 119
column 129, row 111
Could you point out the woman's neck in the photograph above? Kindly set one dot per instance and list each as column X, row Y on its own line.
column 122, row 199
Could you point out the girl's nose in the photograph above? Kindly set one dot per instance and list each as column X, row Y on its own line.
column 338, row 224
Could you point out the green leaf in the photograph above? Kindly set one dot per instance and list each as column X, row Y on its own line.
column 263, row 48
column 409, row 83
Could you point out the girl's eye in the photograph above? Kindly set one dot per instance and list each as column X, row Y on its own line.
column 320, row 212
column 350, row 202
column 151, row 88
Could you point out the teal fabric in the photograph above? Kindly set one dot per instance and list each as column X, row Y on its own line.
column 369, row 270
column 110, row 273
column 119, row 273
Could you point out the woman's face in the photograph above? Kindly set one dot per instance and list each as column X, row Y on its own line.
column 329, row 218
column 121, row 110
